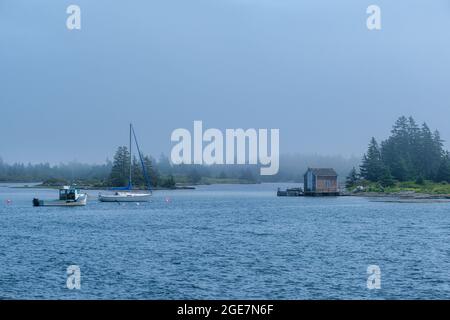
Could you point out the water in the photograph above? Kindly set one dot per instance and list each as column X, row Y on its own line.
column 224, row 242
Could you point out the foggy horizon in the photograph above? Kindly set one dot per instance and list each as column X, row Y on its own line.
column 312, row 70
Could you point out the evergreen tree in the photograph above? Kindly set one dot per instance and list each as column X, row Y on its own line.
column 443, row 173
column 169, row 182
column 438, row 154
column 136, row 173
column 194, row 176
column 247, row 175
column 120, row 168
column 138, row 176
column 372, row 167
column 352, row 178
column 412, row 152
column 431, row 153
column 420, row 180
column 398, row 148
column 222, row 175
column 386, row 180
column 152, row 171
column 164, row 165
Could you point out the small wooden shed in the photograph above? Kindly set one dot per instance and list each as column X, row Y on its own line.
column 320, row 182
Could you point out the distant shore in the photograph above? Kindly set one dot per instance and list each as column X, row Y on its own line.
column 178, row 186
column 426, row 190
column 83, row 187
column 407, row 195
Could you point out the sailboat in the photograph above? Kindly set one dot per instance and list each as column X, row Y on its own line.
column 126, row 194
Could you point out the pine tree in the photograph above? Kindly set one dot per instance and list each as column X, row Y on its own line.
column 438, row 154
column 136, row 173
column 164, row 165
column 372, row 167
column 443, row 173
column 430, row 154
column 120, row 168
column 169, row 182
column 152, row 171
column 412, row 152
column 247, row 175
column 194, row 176
column 386, row 180
column 352, row 178
column 413, row 147
column 397, row 150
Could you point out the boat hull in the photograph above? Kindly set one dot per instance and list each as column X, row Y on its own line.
column 81, row 201
column 125, row 197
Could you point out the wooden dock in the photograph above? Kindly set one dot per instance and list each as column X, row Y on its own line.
column 298, row 192
column 290, row 192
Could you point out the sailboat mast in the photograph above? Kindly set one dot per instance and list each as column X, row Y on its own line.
column 144, row 170
column 129, row 177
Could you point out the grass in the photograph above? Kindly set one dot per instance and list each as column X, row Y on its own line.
column 428, row 187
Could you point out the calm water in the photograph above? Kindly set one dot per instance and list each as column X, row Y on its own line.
column 230, row 242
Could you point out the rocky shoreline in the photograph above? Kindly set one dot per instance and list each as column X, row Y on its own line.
column 403, row 196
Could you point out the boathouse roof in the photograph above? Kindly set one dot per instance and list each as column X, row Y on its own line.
column 327, row 172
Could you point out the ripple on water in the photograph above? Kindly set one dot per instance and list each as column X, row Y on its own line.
column 231, row 242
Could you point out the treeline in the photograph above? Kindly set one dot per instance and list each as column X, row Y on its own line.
column 120, row 171
column 163, row 174
column 72, row 171
column 411, row 153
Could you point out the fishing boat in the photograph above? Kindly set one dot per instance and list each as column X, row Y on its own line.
column 68, row 197
column 127, row 194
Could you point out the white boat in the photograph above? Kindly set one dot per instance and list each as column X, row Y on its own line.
column 127, row 194
column 125, row 197
column 68, row 197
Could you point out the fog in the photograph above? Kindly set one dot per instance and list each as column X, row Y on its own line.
column 309, row 68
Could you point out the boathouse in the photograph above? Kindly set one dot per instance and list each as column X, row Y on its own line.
column 320, row 182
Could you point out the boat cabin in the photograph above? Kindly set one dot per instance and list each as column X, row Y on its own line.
column 68, row 193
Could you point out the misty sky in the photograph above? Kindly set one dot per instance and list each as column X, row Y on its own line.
column 309, row 68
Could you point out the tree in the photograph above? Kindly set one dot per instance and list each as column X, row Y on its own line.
column 400, row 167
column 164, row 166
column 152, row 171
column 438, row 154
column 169, row 182
column 352, row 178
column 426, row 152
column 386, row 179
column 138, row 176
column 136, row 173
column 430, row 153
column 412, row 152
column 222, row 175
column 247, row 175
column 397, row 150
column 372, row 167
column 414, row 144
column 194, row 176
column 420, row 180
column 443, row 173
column 120, row 168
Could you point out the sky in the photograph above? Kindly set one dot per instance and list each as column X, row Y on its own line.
column 311, row 69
